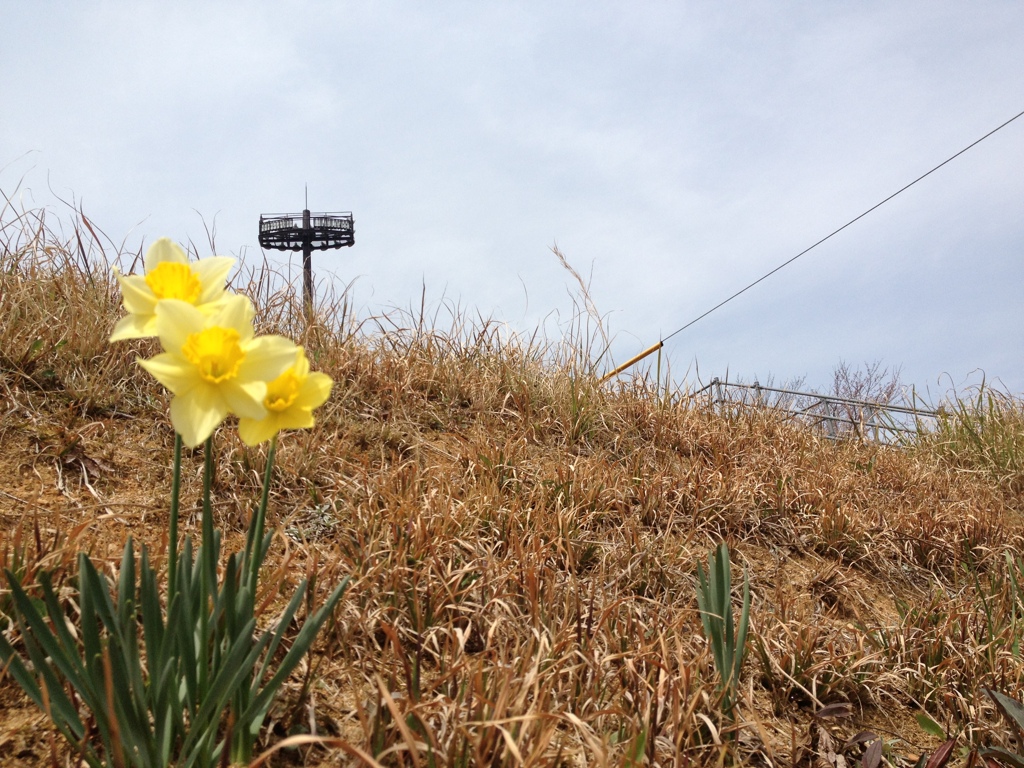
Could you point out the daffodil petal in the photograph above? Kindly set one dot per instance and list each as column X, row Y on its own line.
column 301, row 364
column 253, row 431
column 296, row 418
column 136, row 296
column 196, row 415
column 267, row 357
column 256, row 431
column 163, row 249
column 235, row 312
column 134, row 327
column 174, row 373
column 245, row 399
column 213, row 274
column 315, row 391
column 175, row 322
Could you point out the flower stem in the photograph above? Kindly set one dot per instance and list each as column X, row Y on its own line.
column 172, row 537
column 254, row 545
column 208, row 557
column 209, row 545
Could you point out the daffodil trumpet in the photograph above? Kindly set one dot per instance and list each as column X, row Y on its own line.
column 289, row 402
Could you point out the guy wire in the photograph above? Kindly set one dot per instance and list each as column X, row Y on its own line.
column 655, row 347
column 836, row 232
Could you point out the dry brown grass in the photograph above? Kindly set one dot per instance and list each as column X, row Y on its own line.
column 523, row 541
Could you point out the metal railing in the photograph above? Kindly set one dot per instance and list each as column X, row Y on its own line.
column 291, row 232
column 838, row 417
column 273, row 221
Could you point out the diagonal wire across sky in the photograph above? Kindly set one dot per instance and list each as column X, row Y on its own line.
column 661, row 343
column 837, row 231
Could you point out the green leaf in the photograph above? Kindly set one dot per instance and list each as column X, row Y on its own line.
column 930, row 726
column 1005, row 756
column 635, row 753
column 14, row 665
column 283, row 623
column 741, row 636
column 37, row 638
column 1011, row 709
column 237, row 663
column 305, row 638
column 46, row 644
column 714, row 601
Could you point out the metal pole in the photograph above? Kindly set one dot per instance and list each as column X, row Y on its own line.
column 637, row 359
column 307, row 264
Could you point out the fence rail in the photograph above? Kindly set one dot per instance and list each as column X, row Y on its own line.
column 289, row 231
column 838, row 417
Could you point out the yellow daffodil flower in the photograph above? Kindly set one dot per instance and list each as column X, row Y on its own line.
column 289, row 401
column 169, row 275
column 214, row 365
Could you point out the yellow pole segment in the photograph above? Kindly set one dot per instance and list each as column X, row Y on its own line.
column 631, row 361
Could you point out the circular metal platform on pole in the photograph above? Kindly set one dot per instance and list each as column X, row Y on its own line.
column 307, row 232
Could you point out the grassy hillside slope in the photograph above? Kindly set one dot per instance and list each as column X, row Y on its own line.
column 524, row 541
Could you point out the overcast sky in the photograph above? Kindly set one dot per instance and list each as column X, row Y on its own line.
column 673, row 151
